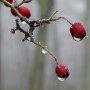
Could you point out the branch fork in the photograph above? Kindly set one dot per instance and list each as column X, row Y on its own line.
column 32, row 25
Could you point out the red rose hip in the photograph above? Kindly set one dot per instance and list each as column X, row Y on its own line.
column 62, row 71
column 23, row 10
column 77, row 31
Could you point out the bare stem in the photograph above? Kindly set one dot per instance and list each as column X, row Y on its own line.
column 49, row 20
column 53, row 14
column 66, row 20
column 46, row 49
column 32, row 25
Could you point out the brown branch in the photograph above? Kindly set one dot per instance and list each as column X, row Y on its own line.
column 30, row 35
column 46, row 49
column 32, row 25
column 36, row 22
column 48, row 21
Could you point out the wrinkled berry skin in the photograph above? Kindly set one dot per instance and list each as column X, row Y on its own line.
column 23, row 10
column 62, row 71
column 77, row 30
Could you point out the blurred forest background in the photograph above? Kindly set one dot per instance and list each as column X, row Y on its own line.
column 24, row 67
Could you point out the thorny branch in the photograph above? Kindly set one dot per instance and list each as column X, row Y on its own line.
column 32, row 25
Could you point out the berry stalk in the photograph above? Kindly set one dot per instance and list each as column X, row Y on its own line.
column 46, row 49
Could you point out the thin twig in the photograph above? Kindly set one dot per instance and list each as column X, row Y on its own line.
column 46, row 49
column 28, row 34
column 53, row 14
column 32, row 25
column 48, row 21
column 23, row 1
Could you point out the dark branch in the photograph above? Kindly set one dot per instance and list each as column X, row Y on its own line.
column 32, row 25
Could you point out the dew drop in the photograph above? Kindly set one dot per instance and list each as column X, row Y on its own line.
column 86, row 35
column 77, row 39
column 23, row 22
column 44, row 51
column 61, row 79
column 28, row 38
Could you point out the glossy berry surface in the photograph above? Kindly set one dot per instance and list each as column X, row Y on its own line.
column 77, row 30
column 24, row 11
column 62, row 71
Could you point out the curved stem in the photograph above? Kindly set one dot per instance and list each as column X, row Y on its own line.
column 46, row 49
column 66, row 20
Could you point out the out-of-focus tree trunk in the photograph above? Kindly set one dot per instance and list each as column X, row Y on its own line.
column 86, row 74
column 16, row 55
column 37, row 78
column 18, row 65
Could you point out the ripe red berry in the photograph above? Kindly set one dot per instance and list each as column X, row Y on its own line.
column 23, row 10
column 77, row 31
column 13, row 13
column 62, row 71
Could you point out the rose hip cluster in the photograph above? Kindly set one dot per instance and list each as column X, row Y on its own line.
column 77, row 31
column 23, row 10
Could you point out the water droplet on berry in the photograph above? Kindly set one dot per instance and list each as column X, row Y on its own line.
column 23, row 22
column 77, row 39
column 61, row 79
column 44, row 51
